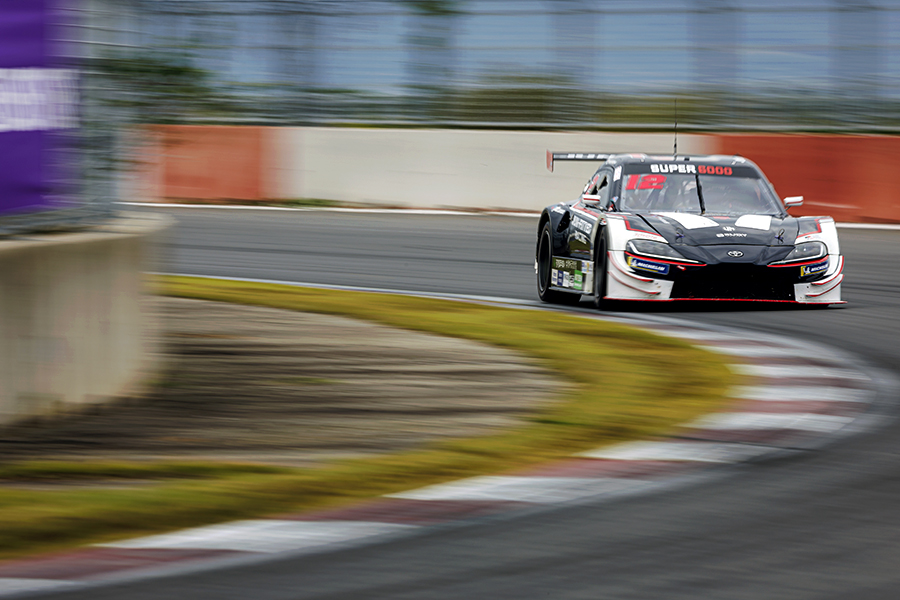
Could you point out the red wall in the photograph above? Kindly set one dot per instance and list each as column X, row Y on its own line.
column 851, row 178
column 211, row 162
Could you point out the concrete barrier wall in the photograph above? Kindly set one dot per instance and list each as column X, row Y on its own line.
column 73, row 326
column 848, row 177
column 396, row 167
column 445, row 168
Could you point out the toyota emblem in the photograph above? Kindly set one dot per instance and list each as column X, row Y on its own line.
column 735, row 254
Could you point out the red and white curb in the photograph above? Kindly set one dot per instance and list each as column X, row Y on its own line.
column 798, row 396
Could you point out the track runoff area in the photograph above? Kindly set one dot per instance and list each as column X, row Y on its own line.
column 802, row 397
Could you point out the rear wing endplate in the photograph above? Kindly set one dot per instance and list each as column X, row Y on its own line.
column 554, row 156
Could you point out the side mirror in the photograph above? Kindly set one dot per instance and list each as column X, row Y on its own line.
column 791, row 201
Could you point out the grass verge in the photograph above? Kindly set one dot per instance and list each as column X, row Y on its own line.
column 622, row 384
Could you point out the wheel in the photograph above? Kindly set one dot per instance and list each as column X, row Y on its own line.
column 600, row 264
column 544, row 269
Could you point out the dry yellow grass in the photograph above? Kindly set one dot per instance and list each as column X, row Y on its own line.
column 624, row 384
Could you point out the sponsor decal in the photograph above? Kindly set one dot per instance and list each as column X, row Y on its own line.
column 646, row 265
column 674, row 168
column 645, row 182
column 38, row 99
column 618, row 173
column 587, row 215
column 713, row 170
column 688, row 168
column 726, row 228
column 582, row 225
column 735, row 253
column 813, row 269
column 665, row 166
column 570, row 273
column 558, row 209
column 722, row 235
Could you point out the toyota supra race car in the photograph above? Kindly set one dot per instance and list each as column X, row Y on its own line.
column 683, row 228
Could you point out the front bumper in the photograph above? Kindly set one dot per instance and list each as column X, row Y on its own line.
column 725, row 281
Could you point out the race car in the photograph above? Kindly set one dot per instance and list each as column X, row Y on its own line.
column 663, row 228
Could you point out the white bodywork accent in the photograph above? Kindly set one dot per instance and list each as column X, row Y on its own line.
column 761, row 222
column 622, row 284
column 689, row 221
column 618, row 235
column 828, row 289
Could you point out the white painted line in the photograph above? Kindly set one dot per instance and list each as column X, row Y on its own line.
column 790, row 393
column 799, row 372
column 263, row 535
column 755, row 351
column 539, row 490
column 401, row 211
column 9, row 585
column 884, row 226
column 678, row 452
column 699, row 335
column 747, row 421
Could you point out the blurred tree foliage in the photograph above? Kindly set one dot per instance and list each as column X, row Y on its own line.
column 433, row 7
column 156, row 88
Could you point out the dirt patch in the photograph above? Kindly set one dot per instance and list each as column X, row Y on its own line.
column 265, row 385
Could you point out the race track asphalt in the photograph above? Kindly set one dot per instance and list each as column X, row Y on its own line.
column 820, row 524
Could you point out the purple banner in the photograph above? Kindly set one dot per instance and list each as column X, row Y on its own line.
column 38, row 103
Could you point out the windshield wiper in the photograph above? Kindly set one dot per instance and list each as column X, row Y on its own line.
column 700, row 194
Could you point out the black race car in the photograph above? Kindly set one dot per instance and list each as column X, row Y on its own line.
column 666, row 228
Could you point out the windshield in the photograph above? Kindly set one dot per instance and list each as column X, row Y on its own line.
column 737, row 191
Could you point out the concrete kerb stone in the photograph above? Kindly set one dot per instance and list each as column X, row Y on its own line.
column 747, row 433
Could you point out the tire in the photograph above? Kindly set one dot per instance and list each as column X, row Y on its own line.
column 544, row 255
column 600, row 275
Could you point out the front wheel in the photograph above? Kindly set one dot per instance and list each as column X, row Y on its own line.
column 544, row 270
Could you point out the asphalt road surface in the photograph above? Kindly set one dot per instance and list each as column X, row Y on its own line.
column 824, row 524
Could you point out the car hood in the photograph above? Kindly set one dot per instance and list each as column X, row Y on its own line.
column 758, row 239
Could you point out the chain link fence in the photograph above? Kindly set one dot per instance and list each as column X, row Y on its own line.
column 730, row 64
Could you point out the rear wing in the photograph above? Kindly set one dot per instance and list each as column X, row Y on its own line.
column 554, row 156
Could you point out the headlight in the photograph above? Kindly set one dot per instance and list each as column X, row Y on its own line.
column 650, row 248
column 806, row 251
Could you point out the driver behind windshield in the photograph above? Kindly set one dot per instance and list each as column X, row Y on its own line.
column 722, row 195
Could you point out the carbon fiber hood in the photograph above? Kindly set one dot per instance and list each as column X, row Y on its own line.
column 758, row 239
